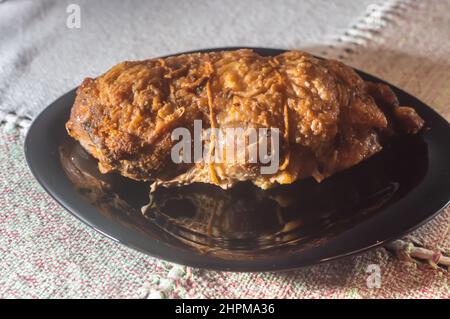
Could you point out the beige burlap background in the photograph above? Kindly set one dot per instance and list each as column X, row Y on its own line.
column 44, row 252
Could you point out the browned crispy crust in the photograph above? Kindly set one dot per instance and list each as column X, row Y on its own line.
column 329, row 117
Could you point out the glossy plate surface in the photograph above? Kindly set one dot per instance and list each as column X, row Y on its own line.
column 245, row 228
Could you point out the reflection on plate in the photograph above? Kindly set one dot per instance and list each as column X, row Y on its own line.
column 247, row 220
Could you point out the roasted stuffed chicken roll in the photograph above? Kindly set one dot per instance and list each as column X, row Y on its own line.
column 225, row 117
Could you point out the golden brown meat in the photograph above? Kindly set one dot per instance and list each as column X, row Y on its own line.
column 329, row 118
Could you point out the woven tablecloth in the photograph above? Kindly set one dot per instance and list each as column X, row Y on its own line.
column 45, row 252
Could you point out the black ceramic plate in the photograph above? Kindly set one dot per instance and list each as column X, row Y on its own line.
column 245, row 228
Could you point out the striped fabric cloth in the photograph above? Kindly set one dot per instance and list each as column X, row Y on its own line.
column 47, row 253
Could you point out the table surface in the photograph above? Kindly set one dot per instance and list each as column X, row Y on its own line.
column 44, row 252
